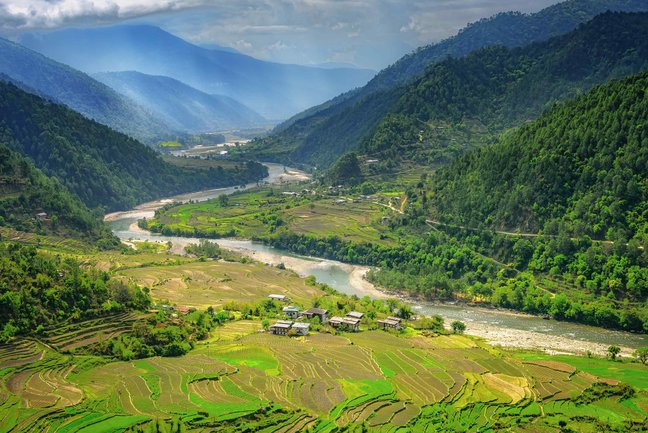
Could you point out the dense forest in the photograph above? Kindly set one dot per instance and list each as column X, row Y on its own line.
column 497, row 88
column 38, row 290
column 103, row 167
column 25, row 192
column 319, row 135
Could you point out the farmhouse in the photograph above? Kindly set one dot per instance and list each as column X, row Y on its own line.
column 280, row 298
column 390, row 322
column 281, row 327
column 301, row 328
column 291, row 311
column 182, row 310
column 348, row 323
column 319, row 312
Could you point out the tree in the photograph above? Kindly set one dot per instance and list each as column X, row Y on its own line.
column 405, row 312
column 458, row 327
column 613, row 351
column 641, row 354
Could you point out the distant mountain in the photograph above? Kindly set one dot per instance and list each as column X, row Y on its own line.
column 274, row 90
column 26, row 192
column 464, row 102
column 324, row 127
column 180, row 106
column 65, row 85
column 103, row 167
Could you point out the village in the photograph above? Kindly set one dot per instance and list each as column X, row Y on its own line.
column 350, row 322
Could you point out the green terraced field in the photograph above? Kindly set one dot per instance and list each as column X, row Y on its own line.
column 256, row 380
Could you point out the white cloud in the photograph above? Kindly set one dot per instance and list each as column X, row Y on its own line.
column 310, row 31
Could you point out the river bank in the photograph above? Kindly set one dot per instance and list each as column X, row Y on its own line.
column 502, row 328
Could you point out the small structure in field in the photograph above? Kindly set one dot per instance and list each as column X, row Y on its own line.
column 41, row 216
column 280, row 298
column 348, row 323
column 291, row 311
column 281, row 327
column 390, row 323
column 301, row 328
column 319, row 312
column 182, row 310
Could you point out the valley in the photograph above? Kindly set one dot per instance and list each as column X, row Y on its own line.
column 218, row 217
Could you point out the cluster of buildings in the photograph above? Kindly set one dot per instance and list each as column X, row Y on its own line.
column 350, row 322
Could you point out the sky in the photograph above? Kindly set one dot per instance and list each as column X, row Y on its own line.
column 365, row 33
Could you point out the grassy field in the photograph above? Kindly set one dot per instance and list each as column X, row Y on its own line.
column 215, row 283
column 259, row 212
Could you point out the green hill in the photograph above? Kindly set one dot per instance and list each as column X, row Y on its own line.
column 581, row 166
column 26, row 192
column 322, row 134
column 103, row 167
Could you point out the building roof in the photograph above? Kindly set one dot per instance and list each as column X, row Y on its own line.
column 389, row 322
column 396, row 319
column 351, row 321
column 355, row 314
column 275, row 296
column 314, row 310
column 290, row 308
column 284, row 322
column 301, row 325
column 336, row 319
column 282, row 325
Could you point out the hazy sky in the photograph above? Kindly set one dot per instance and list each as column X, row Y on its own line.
column 367, row 33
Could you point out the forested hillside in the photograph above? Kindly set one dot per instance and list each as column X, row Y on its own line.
column 103, row 167
column 349, row 118
column 25, row 192
column 581, row 167
column 38, row 290
column 78, row 91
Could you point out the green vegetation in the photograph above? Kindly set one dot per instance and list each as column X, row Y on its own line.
column 26, row 192
column 103, row 167
column 38, row 290
column 459, row 103
column 267, row 213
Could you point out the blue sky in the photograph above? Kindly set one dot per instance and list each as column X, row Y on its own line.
column 366, row 33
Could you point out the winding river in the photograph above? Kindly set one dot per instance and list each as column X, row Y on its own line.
column 498, row 327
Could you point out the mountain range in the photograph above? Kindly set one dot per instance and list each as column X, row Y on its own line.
column 60, row 83
column 180, row 106
column 320, row 134
column 276, row 91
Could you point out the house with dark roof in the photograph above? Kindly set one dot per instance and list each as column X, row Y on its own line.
column 316, row 312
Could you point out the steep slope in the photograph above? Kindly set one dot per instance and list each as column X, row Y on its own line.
column 182, row 107
column 464, row 102
column 78, row 91
column 26, row 192
column 274, row 90
column 103, row 167
column 583, row 165
column 327, row 125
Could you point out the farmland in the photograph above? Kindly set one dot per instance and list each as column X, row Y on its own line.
column 324, row 381
column 239, row 378
column 260, row 212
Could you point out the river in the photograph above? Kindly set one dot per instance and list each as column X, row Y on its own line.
column 499, row 327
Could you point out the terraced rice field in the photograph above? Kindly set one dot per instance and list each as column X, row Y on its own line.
column 246, row 379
